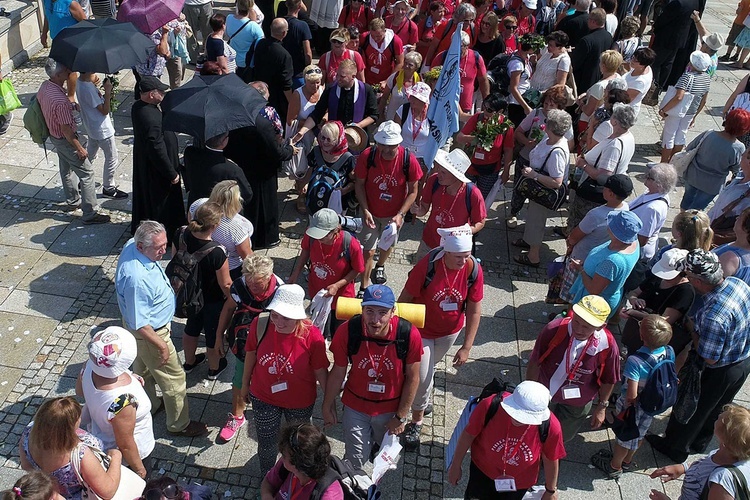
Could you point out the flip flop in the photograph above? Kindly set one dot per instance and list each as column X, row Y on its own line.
column 519, row 243
column 523, row 259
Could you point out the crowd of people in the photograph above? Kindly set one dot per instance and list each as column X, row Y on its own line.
column 549, row 92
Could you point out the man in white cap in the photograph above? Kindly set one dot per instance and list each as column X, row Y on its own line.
column 506, row 447
column 454, row 199
column 450, row 283
column 386, row 186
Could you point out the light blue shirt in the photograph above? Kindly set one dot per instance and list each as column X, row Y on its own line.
column 144, row 294
column 245, row 36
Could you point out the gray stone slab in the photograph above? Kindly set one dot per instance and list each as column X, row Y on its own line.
column 10, row 176
column 8, row 477
column 176, row 448
column 203, row 451
column 495, row 341
column 528, row 300
column 22, row 153
column 21, row 338
column 37, row 304
column 60, row 275
column 89, row 241
column 32, row 183
column 498, row 296
column 15, row 264
column 585, row 482
column 478, row 373
column 8, row 379
column 36, row 231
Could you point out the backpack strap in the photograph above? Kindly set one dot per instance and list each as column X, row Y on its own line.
column 319, row 160
column 604, row 354
column 428, row 277
column 740, row 483
column 403, row 336
column 405, row 108
column 325, row 482
column 346, row 253
column 495, row 405
column 260, row 331
column 371, row 156
column 445, row 32
column 469, row 189
column 240, row 29
column 560, row 335
column 649, row 201
column 407, row 161
column 354, row 339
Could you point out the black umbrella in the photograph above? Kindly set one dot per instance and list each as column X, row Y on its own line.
column 101, row 46
column 211, row 105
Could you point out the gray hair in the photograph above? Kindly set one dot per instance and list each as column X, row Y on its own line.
column 53, row 68
column 146, row 231
column 257, row 266
column 583, row 5
column 261, row 87
column 558, row 122
column 414, row 57
column 617, row 84
column 624, row 114
column 465, row 10
column 664, row 176
column 713, row 279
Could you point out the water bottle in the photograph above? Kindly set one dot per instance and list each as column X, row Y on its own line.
column 76, row 115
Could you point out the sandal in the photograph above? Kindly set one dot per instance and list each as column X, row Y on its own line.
column 300, row 205
column 520, row 243
column 523, row 259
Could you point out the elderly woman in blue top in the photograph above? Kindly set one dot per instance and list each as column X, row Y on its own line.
column 608, row 266
column 721, row 336
column 147, row 304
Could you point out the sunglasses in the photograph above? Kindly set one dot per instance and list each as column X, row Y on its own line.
column 171, row 492
column 511, row 27
column 314, row 71
column 336, row 42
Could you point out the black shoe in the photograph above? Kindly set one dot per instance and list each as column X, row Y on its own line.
column 561, row 231
column 199, row 358
column 428, row 410
column 214, row 374
column 660, row 444
column 725, row 58
column 114, row 193
column 410, row 437
column 378, row 276
column 97, row 219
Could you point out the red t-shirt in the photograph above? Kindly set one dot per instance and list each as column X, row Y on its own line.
column 511, row 44
column 426, row 35
column 482, row 156
column 450, row 6
column 379, row 66
column 329, row 63
column 408, row 32
column 360, row 18
column 366, row 363
column 385, row 184
column 449, row 211
column 328, row 264
column 447, row 285
column 286, row 358
column 470, row 67
column 445, row 31
column 490, row 453
column 525, row 25
column 587, row 372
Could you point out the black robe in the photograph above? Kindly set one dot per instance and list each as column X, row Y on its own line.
column 155, row 164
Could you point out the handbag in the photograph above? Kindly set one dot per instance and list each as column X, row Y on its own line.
column 682, row 160
column 590, row 189
column 625, row 426
column 8, row 97
column 723, row 225
column 681, row 108
column 689, row 389
column 533, row 190
column 130, row 487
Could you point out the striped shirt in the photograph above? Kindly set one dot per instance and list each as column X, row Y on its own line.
column 56, row 108
column 230, row 233
column 695, row 84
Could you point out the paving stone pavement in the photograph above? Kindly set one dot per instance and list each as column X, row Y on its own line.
column 56, row 288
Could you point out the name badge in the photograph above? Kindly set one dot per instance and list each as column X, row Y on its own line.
column 376, row 387
column 375, row 70
column 505, row 483
column 571, row 392
column 447, row 305
column 385, row 196
column 281, row 386
column 479, row 156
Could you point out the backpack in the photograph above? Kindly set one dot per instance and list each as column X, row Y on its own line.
column 497, row 72
column 33, row 121
column 471, row 279
column 660, row 392
column 356, row 337
column 406, row 162
column 324, row 180
column 184, row 275
column 545, row 20
column 355, row 483
column 741, row 489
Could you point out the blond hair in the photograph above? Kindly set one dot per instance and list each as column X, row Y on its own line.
column 257, row 266
column 377, row 24
column 655, row 331
column 348, row 64
column 734, row 427
column 330, row 130
column 694, row 228
column 611, row 60
column 55, row 424
column 226, row 194
column 312, row 76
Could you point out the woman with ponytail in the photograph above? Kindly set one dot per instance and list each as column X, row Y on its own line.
column 33, row 486
column 215, row 282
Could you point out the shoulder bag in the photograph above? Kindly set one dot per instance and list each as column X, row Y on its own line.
column 590, row 189
column 682, row 160
column 681, row 108
column 130, row 487
column 550, row 198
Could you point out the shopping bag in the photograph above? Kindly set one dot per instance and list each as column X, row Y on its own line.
column 387, row 457
column 689, row 389
column 8, row 97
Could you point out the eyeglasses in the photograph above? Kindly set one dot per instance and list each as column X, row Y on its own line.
column 313, row 71
column 171, row 492
column 511, row 27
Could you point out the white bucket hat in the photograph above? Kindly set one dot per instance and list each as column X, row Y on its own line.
column 389, row 134
column 671, row 264
column 700, row 61
column 456, row 163
column 529, row 403
column 112, row 351
column 421, row 91
column 289, row 301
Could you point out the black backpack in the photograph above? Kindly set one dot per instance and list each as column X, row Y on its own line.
column 184, row 275
column 407, row 160
column 356, row 337
column 495, row 390
column 355, row 483
column 660, row 392
column 246, row 312
column 497, row 72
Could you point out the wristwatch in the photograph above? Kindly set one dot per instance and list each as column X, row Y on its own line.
column 403, row 420
column 603, row 404
column 551, row 492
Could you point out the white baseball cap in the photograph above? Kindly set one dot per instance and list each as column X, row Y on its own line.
column 389, row 134
column 670, row 264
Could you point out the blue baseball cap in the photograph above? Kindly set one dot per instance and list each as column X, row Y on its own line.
column 379, row 296
column 625, row 225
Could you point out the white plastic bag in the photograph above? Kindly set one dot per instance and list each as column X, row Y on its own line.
column 320, row 308
column 493, row 193
column 387, row 458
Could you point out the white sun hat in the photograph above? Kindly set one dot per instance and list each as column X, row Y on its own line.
column 670, row 264
column 112, row 351
column 456, row 163
column 388, row 134
column 529, row 403
column 289, row 301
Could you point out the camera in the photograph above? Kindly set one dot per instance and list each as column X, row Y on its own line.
column 351, row 224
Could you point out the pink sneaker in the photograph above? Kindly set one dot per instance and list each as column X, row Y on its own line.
column 231, row 427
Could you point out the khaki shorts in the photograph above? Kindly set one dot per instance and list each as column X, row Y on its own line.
column 369, row 236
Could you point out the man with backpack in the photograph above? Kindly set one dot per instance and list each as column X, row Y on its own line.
column 577, row 358
column 721, row 338
column 386, row 187
column 383, row 52
column 450, row 283
column 384, row 352
column 509, row 435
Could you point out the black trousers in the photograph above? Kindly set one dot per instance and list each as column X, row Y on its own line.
column 662, row 65
column 263, row 211
column 718, row 388
column 481, row 487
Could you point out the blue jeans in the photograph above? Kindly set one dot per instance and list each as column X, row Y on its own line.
column 694, row 198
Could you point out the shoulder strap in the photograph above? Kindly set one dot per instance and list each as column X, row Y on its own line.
column 403, row 335
column 322, row 484
column 740, row 483
column 371, row 157
column 407, row 161
column 405, row 108
column 560, row 335
column 447, row 30
column 342, row 159
column 730, row 206
column 240, row 29
column 260, row 332
column 319, row 158
column 492, row 410
column 544, row 169
column 469, row 189
column 355, row 336
column 183, row 244
column 647, row 202
column 473, row 270
column 430, row 266
column 347, row 245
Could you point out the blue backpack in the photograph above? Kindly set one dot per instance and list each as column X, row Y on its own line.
column 325, row 179
column 660, row 392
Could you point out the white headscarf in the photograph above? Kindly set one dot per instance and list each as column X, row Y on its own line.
column 455, row 239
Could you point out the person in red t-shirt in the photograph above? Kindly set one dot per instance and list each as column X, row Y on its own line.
column 473, row 73
column 380, row 388
column 451, row 303
column 526, row 17
column 382, row 51
column 356, row 14
column 332, row 266
column 577, row 359
column 386, row 189
column 281, row 369
column 445, row 191
column 506, row 452
column 509, row 34
column 485, row 165
column 465, row 13
column 329, row 62
column 402, row 26
column 429, row 25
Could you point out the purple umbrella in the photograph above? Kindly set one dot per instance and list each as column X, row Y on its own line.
column 149, row 15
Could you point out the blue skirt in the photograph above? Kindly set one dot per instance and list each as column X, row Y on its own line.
column 743, row 39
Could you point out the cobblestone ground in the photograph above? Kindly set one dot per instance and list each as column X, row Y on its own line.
column 56, row 287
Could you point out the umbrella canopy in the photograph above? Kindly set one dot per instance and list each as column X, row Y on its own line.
column 211, row 105
column 101, row 46
column 149, row 15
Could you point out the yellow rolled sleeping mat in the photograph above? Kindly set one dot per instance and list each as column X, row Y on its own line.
column 346, row 307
